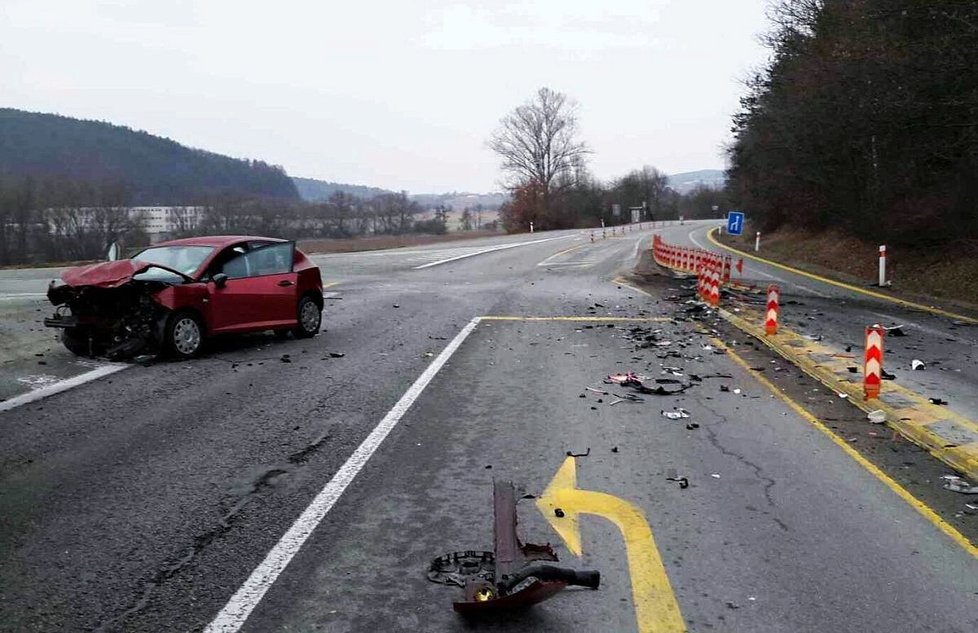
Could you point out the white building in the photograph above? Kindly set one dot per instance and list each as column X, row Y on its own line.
column 159, row 222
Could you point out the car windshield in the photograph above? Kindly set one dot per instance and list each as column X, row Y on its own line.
column 184, row 259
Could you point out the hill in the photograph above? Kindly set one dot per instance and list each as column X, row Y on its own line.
column 156, row 170
column 312, row 190
column 687, row 181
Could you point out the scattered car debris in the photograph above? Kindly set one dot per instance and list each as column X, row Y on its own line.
column 584, row 454
column 853, row 370
column 885, row 375
column 690, row 426
column 682, row 481
column 957, row 484
column 715, row 475
column 937, row 401
column 724, row 388
column 895, row 330
column 917, row 365
column 514, row 574
column 677, row 414
column 877, row 417
column 336, row 354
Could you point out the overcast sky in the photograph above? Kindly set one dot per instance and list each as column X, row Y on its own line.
column 400, row 94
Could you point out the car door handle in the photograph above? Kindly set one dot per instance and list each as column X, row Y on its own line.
column 286, row 282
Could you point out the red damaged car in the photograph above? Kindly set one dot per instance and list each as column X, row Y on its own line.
column 170, row 297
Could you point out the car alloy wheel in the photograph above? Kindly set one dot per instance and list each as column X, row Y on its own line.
column 186, row 335
column 310, row 316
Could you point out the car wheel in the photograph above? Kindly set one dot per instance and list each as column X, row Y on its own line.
column 184, row 335
column 310, row 317
column 77, row 342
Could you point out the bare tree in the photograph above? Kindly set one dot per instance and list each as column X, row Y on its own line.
column 539, row 146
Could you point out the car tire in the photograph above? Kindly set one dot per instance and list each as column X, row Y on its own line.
column 309, row 316
column 77, row 342
column 184, row 335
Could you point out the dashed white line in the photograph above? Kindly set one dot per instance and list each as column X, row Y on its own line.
column 489, row 250
column 234, row 614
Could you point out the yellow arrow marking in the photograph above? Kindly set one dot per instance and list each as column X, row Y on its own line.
column 656, row 609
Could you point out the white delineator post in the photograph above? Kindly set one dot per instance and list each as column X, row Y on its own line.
column 882, row 265
column 531, row 227
column 757, row 242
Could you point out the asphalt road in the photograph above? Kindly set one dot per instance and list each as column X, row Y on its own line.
column 145, row 500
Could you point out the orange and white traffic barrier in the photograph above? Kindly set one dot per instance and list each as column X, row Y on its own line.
column 715, row 277
column 773, row 310
column 727, row 265
column 873, row 369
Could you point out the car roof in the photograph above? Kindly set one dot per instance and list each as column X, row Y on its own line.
column 217, row 240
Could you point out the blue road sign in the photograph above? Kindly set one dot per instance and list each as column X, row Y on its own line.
column 735, row 223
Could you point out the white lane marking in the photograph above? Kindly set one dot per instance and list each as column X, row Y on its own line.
column 489, row 250
column 812, row 290
column 21, row 295
column 234, row 614
column 58, row 387
column 578, row 264
column 638, row 243
column 923, row 328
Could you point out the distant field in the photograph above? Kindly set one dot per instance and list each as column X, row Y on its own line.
column 455, row 217
column 381, row 242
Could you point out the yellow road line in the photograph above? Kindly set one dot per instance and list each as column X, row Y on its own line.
column 576, row 318
column 839, row 284
column 656, row 608
column 890, row 483
column 913, row 419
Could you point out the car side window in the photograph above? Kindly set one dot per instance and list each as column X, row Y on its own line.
column 265, row 260
column 235, row 265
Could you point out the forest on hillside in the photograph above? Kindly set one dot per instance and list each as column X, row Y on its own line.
column 152, row 169
column 866, row 120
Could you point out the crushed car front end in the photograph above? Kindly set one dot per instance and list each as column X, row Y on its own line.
column 113, row 310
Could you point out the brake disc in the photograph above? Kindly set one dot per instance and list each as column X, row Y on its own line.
column 458, row 567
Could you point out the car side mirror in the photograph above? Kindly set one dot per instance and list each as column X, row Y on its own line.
column 220, row 279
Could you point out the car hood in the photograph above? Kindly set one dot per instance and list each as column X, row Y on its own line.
column 109, row 274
